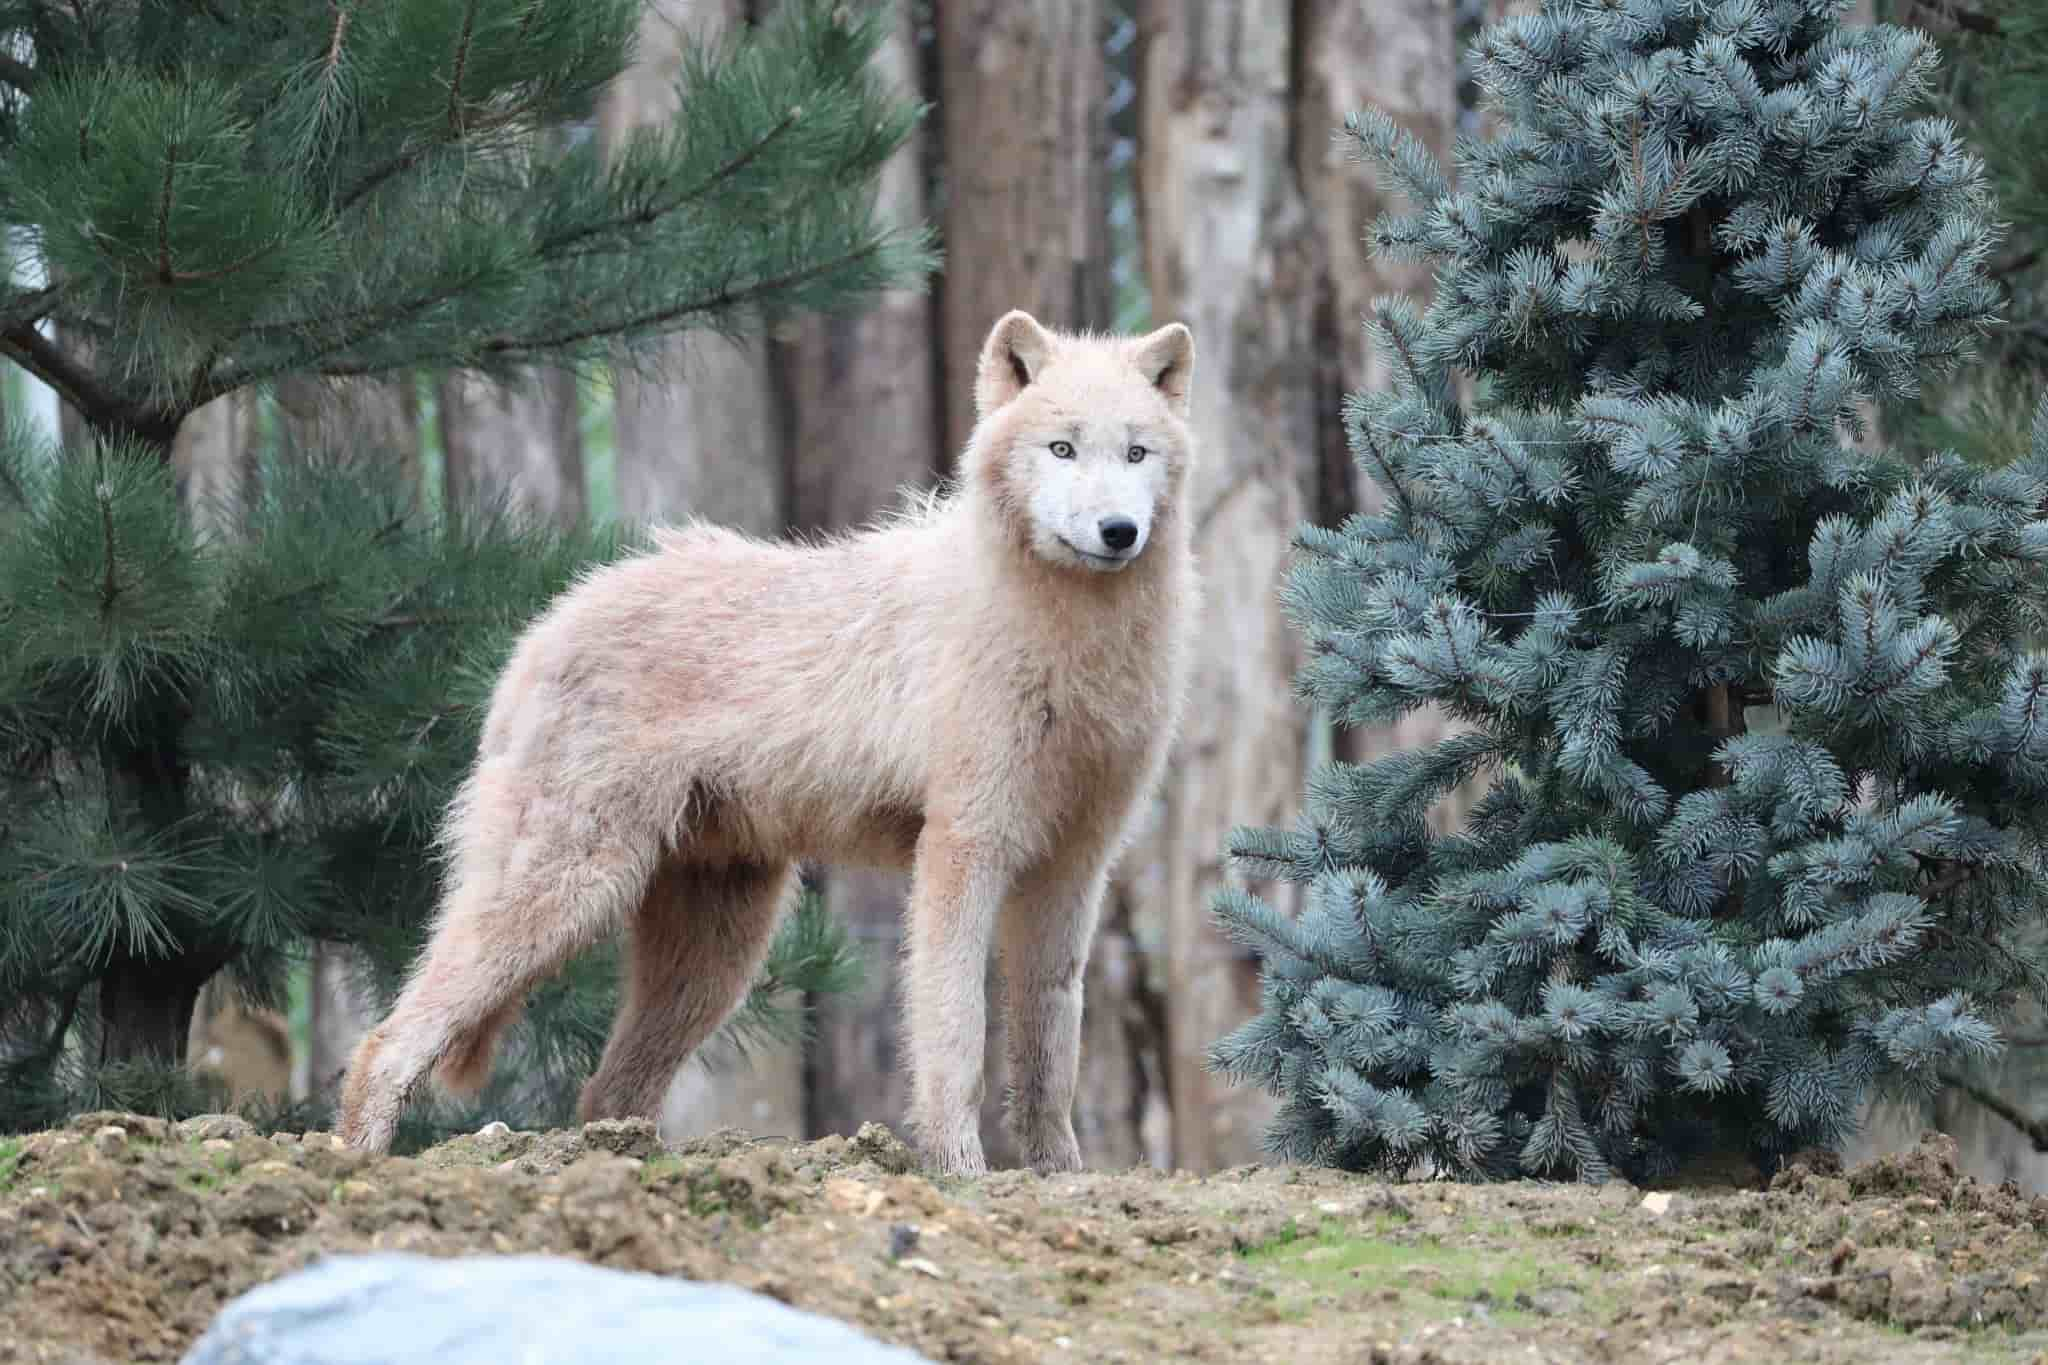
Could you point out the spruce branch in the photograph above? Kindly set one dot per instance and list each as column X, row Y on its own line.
column 1368, row 442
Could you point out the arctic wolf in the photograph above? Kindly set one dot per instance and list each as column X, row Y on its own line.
column 980, row 691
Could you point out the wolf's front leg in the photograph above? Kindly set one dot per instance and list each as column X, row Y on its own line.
column 953, row 906
column 1047, row 929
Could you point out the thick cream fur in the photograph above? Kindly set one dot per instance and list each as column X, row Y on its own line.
column 945, row 693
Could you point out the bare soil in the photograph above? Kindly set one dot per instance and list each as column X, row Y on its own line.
column 121, row 1236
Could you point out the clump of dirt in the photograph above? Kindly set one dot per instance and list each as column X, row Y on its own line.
column 121, row 1236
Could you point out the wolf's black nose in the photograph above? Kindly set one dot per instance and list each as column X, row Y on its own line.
column 1118, row 533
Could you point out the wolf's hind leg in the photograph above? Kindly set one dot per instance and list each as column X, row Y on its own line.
column 692, row 950
column 559, row 890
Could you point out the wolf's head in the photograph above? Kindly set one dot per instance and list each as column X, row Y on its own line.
column 1083, row 441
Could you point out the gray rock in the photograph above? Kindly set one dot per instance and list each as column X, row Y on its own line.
column 394, row 1309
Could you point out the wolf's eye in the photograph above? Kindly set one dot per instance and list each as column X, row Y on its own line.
column 1063, row 450
column 1136, row 454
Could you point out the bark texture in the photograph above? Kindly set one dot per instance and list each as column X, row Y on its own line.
column 1399, row 56
column 515, row 446
column 214, row 457
column 697, row 434
column 1255, row 224
column 1230, row 250
column 355, row 420
column 1022, row 84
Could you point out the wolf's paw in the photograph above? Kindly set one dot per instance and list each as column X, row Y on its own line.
column 1052, row 1153
column 960, row 1157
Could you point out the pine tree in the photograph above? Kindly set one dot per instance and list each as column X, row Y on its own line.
column 217, row 748
column 1704, row 232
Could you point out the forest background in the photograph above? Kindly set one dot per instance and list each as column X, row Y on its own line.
column 1106, row 164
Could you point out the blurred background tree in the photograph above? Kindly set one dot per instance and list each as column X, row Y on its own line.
column 1162, row 156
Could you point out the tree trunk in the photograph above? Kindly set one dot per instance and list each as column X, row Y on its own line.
column 342, row 1010
column 519, row 446
column 146, row 1008
column 214, row 456
column 1229, row 249
column 702, row 438
column 1024, row 142
column 864, row 424
column 360, row 422
column 1399, row 56
column 1022, row 85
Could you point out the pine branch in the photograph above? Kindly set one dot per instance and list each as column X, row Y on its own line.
column 516, row 347
column 461, row 62
column 341, row 19
column 30, row 306
column 2036, row 1130
column 110, row 587
column 48, row 362
column 405, row 161
column 163, row 215
column 645, row 216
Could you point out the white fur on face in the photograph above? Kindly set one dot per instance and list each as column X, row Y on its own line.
column 1082, row 506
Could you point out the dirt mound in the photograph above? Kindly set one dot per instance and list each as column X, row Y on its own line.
column 121, row 1236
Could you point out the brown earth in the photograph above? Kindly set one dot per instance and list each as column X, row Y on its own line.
column 121, row 1236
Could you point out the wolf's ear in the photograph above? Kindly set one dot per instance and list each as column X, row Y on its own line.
column 1167, row 359
column 1016, row 350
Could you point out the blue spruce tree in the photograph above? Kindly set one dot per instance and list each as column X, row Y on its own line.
column 1767, row 754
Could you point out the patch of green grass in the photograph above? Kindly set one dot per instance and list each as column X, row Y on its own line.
column 1338, row 1257
column 10, row 1162
column 659, row 1168
column 203, row 1179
